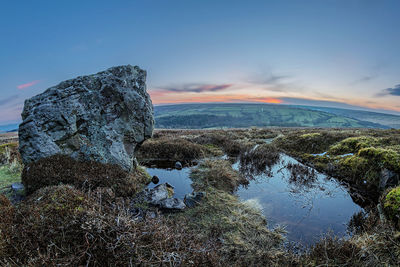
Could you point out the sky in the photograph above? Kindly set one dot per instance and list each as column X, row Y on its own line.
column 341, row 53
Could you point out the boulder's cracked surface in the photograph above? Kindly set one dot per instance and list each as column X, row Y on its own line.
column 100, row 117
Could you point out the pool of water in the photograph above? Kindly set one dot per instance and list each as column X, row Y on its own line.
column 179, row 179
column 306, row 209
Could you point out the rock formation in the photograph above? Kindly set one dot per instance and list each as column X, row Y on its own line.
column 100, row 117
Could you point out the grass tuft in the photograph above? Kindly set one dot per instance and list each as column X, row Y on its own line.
column 218, row 174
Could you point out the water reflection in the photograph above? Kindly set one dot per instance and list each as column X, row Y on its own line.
column 179, row 179
column 306, row 202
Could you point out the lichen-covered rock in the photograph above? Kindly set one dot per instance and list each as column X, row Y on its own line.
column 100, row 117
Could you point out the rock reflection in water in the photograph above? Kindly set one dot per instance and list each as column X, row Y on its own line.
column 177, row 178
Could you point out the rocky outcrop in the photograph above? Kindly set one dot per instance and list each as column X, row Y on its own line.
column 100, row 117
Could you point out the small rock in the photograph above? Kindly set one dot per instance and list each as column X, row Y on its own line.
column 158, row 193
column 151, row 214
column 17, row 187
column 172, row 203
column 161, row 196
column 17, row 193
column 191, row 200
column 388, row 179
column 178, row 165
column 155, row 179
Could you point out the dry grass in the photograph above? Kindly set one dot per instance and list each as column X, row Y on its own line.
column 60, row 169
column 170, row 148
column 239, row 228
column 230, row 142
column 218, row 174
column 62, row 226
column 9, row 153
column 255, row 161
column 379, row 247
column 331, row 251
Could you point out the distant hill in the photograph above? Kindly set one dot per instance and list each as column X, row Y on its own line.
column 9, row 128
column 201, row 116
column 389, row 120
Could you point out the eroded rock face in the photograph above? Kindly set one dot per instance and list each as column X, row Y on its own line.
column 100, row 117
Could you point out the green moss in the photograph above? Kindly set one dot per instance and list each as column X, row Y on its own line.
column 367, row 164
column 142, row 172
column 213, row 150
column 299, row 142
column 386, row 158
column 352, row 145
column 8, row 176
column 391, row 204
column 3, row 147
column 372, row 152
column 310, row 135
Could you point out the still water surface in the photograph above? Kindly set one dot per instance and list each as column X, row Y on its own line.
column 306, row 210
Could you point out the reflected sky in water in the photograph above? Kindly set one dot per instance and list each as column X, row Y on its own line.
column 306, row 211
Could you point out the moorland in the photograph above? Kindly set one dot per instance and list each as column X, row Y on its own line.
column 108, row 228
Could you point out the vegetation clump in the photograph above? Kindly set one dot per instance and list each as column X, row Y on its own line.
column 366, row 165
column 218, row 174
column 258, row 160
column 239, row 228
column 352, row 145
column 9, row 154
column 173, row 149
column 332, row 251
column 60, row 225
column 61, row 169
column 357, row 156
column 391, row 204
column 299, row 142
column 301, row 176
column 229, row 142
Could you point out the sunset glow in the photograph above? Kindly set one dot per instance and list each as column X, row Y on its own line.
column 166, row 97
column 341, row 54
column 269, row 100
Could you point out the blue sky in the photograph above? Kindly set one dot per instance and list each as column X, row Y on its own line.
column 338, row 52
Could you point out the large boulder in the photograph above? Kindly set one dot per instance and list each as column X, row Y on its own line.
column 100, row 117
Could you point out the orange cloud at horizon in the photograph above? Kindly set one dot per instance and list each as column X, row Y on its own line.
column 268, row 100
column 167, row 97
column 164, row 96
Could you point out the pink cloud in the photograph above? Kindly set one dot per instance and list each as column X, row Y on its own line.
column 26, row 85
